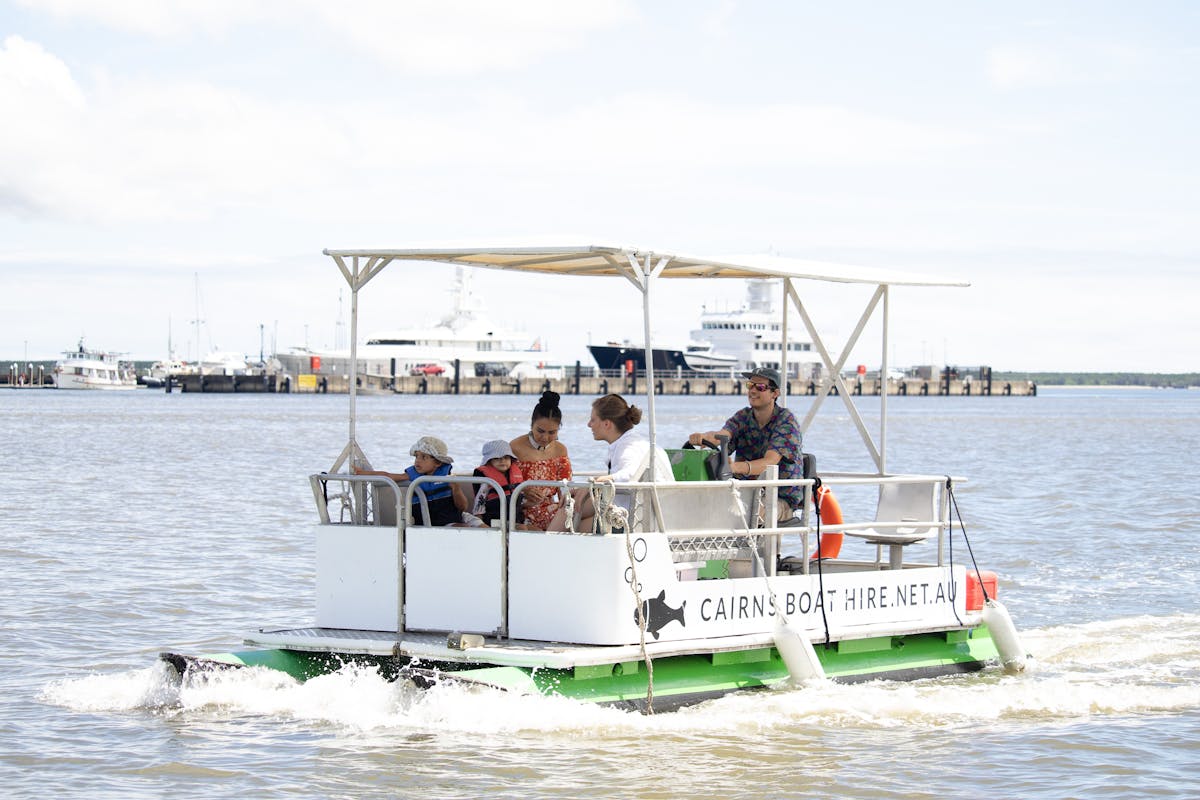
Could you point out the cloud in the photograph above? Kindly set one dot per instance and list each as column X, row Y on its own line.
column 1026, row 66
column 455, row 37
column 448, row 37
column 158, row 19
column 43, row 109
column 146, row 150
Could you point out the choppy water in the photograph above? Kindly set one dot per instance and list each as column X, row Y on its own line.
column 138, row 522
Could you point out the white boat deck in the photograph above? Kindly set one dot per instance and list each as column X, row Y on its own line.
column 552, row 655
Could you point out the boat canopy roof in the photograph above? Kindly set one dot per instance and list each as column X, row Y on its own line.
column 642, row 268
column 597, row 260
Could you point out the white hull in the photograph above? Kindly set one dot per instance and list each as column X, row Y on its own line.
column 83, row 382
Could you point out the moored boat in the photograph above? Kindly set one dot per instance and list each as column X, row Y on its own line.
column 83, row 368
column 465, row 336
column 693, row 593
column 160, row 372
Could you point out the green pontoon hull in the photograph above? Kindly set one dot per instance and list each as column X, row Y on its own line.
column 677, row 680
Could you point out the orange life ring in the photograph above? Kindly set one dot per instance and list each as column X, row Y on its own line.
column 831, row 514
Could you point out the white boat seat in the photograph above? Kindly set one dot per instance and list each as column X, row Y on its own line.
column 902, row 502
column 383, row 501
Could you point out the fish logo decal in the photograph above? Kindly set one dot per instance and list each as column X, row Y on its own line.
column 658, row 613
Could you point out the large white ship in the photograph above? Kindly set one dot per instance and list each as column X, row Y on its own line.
column 465, row 335
column 744, row 338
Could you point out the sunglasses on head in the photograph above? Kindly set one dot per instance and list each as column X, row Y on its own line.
column 760, row 387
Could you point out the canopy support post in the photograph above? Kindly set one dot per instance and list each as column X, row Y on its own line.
column 647, row 274
column 835, row 369
column 883, row 387
column 357, row 275
column 783, row 359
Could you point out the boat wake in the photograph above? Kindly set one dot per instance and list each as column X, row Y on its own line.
column 1125, row 667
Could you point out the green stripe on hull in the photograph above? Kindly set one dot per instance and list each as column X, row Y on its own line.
column 678, row 680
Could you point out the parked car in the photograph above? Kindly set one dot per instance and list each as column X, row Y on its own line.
column 489, row 368
column 427, row 369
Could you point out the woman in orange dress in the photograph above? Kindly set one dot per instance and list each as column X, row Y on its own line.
column 542, row 457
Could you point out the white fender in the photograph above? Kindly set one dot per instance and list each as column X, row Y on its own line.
column 797, row 653
column 1004, row 634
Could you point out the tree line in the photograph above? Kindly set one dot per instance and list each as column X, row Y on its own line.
column 1173, row 380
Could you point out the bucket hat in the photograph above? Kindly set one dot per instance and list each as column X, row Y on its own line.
column 432, row 446
column 497, row 448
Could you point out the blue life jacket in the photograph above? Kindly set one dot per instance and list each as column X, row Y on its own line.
column 434, row 490
column 442, row 510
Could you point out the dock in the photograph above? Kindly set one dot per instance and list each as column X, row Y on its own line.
column 578, row 380
column 633, row 385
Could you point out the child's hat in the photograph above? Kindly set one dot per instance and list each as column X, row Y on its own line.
column 432, row 446
column 497, row 448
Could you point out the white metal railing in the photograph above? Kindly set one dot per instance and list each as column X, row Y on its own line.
column 362, row 503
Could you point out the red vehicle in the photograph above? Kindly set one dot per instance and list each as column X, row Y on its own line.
column 427, row 369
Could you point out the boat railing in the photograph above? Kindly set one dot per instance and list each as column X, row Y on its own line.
column 386, row 502
column 690, row 529
column 909, row 509
column 702, row 521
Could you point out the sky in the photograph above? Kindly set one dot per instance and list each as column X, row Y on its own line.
column 166, row 162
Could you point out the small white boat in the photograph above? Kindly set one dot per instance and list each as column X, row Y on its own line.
column 93, row 369
column 224, row 362
column 160, row 371
column 700, row 357
column 699, row 594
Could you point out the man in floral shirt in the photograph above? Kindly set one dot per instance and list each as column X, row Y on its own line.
column 763, row 434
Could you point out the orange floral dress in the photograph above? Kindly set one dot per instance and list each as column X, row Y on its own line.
column 540, row 513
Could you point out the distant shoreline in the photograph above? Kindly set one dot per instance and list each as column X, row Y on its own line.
column 1083, row 380
column 1106, row 386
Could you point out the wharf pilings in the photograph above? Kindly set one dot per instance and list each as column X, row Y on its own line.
column 625, row 385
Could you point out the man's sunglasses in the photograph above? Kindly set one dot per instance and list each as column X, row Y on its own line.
column 760, row 387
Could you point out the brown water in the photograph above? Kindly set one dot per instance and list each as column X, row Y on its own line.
column 146, row 521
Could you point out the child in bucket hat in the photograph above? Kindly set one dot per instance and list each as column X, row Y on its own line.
column 500, row 465
column 446, row 502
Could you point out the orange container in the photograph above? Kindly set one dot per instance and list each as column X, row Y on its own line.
column 975, row 590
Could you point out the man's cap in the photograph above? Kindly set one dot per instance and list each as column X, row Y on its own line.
column 766, row 373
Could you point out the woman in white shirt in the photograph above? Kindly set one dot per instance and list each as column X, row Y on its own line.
column 612, row 420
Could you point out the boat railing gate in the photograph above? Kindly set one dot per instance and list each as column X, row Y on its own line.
column 385, row 504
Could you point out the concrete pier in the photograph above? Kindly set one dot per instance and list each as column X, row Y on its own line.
column 906, row 387
column 227, row 384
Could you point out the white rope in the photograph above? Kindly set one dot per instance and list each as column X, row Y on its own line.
column 609, row 515
column 569, row 510
column 641, row 620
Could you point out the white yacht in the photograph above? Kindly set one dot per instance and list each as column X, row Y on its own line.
column 751, row 335
column 93, row 369
column 728, row 341
column 465, row 335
